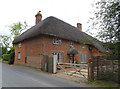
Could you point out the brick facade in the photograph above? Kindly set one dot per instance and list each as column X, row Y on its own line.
column 32, row 49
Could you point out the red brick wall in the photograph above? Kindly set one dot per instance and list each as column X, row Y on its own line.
column 34, row 47
column 31, row 50
column 22, row 51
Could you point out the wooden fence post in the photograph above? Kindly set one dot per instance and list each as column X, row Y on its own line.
column 90, row 70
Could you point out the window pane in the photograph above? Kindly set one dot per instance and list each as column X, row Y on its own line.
column 19, row 55
column 71, row 43
column 83, row 46
column 83, row 58
column 56, row 41
column 19, row 44
column 60, row 57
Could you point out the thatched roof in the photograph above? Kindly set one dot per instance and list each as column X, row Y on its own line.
column 56, row 27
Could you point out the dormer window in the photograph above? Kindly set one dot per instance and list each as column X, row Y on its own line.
column 19, row 45
column 71, row 43
column 83, row 46
column 56, row 41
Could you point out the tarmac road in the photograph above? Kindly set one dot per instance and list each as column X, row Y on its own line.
column 20, row 76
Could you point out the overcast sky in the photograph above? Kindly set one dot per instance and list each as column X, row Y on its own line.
column 70, row 11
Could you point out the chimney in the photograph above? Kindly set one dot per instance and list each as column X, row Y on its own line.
column 38, row 17
column 79, row 26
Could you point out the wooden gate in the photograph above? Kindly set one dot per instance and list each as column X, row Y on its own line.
column 77, row 70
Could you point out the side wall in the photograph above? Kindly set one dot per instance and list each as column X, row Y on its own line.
column 30, row 51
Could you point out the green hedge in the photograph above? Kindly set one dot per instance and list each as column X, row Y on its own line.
column 6, row 57
column 11, row 60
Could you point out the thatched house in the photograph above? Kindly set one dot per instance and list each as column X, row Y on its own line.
column 53, row 36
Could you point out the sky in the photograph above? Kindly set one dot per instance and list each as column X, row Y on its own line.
column 70, row 11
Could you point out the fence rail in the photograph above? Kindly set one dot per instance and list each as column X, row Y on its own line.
column 77, row 69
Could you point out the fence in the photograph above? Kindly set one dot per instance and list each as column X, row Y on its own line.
column 106, row 68
column 78, row 70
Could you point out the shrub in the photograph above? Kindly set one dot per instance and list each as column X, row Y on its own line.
column 11, row 60
column 6, row 57
column 12, row 53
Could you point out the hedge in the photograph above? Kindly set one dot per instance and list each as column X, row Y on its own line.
column 11, row 60
column 6, row 57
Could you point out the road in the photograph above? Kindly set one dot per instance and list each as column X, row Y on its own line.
column 20, row 76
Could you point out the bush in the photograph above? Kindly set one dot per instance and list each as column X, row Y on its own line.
column 11, row 60
column 6, row 57
column 12, row 53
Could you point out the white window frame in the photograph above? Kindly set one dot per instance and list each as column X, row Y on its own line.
column 19, row 55
column 71, row 43
column 83, row 58
column 83, row 46
column 57, row 41
column 19, row 45
column 60, row 56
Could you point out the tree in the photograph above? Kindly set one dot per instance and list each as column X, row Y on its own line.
column 17, row 28
column 107, row 21
column 4, row 44
column 4, row 50
column 5, row 41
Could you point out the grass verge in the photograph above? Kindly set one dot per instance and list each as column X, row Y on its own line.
column 3, row 61
column 0, row 60
column 101, row 83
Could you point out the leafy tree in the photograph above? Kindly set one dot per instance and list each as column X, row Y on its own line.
column 113, row 47
column 5, row 40
column 107, row 21
column 4, row 50
column 17, row 28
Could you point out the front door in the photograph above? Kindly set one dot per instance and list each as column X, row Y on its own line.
column 72, row 58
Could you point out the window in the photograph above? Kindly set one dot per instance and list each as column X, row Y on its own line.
column 19, row 55
column 71, row 43
column 58, row 56
column 83, row 58
column 57, row 41
column 83, row 46
column 19, row 45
